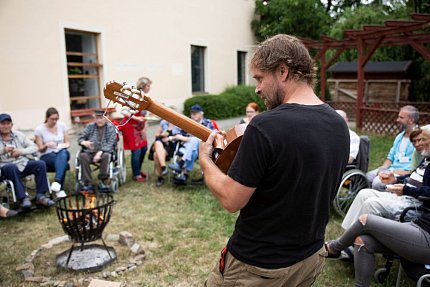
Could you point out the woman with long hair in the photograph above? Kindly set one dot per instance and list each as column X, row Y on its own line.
column 53, row 142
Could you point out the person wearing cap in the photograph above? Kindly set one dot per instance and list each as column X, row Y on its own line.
column 191, row 147
column 16, row 151
column 134, row 133
column 53, row 141
column 98, row 141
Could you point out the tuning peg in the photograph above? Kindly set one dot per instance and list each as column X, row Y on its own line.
column 135, row 91
column 126, row 87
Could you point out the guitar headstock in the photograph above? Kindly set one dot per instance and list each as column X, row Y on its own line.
column 125, row 96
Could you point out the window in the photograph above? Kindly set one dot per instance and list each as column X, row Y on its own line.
column 198, row 69
column 83, row 70
column 241, row 68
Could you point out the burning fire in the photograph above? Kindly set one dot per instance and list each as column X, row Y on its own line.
column 83, row 215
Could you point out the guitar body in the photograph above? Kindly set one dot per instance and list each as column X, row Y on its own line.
column 225, row 147
column 226, row 157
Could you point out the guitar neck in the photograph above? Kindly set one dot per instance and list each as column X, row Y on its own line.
column 179, row 120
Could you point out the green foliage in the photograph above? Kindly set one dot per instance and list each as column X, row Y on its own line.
column 356, row 18
column 228, row 104
column 304, row 18
column 421, row 86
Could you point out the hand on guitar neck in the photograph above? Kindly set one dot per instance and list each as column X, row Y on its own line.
column 225, row 144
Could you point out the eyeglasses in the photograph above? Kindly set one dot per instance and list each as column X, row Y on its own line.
column 53, row 119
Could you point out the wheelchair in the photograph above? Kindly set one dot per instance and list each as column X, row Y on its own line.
column 117, row 169
column 420, row 273
column 7, row 190
column 177, row 156
column 354, row 179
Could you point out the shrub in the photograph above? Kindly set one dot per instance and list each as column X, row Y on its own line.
column 230, row 103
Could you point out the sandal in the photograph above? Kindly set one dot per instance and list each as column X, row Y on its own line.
column 7, row 213
column 44, row 201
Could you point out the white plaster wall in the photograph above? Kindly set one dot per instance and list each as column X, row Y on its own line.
column 137, row 37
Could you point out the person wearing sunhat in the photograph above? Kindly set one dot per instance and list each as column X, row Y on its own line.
column 16, row 151
column 191, row 147
column 98, row 141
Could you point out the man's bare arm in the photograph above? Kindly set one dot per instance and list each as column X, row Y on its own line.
column 232, row 195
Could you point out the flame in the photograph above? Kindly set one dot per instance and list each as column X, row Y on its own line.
column 87, row 217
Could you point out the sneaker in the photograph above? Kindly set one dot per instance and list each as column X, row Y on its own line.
column 160, row 181
column 87, row 188
column 26, row 203
column 61, row 194
column 103, row 187
column 139, row 178
column 55, row 186
column 181, row 178
column 347, row 254
column 176, row 167
column 44, row 201
column 164, row 170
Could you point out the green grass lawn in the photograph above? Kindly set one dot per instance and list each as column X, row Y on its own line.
column 181, row 228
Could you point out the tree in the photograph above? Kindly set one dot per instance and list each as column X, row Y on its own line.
column 303, row 18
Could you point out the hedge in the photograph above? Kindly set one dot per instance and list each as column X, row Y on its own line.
column 229, row 104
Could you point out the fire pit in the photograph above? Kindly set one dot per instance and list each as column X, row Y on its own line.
column 84, row 217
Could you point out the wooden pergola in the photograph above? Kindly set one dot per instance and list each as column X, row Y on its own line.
column 414, row 32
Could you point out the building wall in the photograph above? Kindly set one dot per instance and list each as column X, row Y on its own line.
column 137, row 38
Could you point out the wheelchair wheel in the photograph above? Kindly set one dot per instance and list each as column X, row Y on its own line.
column 7, row 195
column 381, row 275
column 122, row 169
column 114, row 184
column 352, row 182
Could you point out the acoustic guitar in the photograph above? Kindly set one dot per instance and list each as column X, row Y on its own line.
column 225, row 146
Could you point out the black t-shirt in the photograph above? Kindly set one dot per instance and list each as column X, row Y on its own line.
column 295, row 156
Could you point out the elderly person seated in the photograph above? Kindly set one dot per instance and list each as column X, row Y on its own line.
column 15, row 150
column 98, row 141
column 403, row 191
column 191, row 147
column 400, row 156
column 162, row 149
column 416, row 138
column 354, row 139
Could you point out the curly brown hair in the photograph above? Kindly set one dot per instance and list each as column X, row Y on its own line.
column 288, row 50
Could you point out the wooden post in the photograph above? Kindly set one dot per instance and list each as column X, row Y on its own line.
column 360, row 82
column 322, row 76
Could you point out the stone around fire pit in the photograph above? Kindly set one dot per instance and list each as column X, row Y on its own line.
column 92, row 258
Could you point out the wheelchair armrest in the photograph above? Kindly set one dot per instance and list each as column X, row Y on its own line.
column 424, row 198
column 414, row 208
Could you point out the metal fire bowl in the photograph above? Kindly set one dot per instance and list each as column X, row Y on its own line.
column 92, row 258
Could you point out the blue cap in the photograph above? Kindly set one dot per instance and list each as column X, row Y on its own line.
column 196, row 108
column 5, row 117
